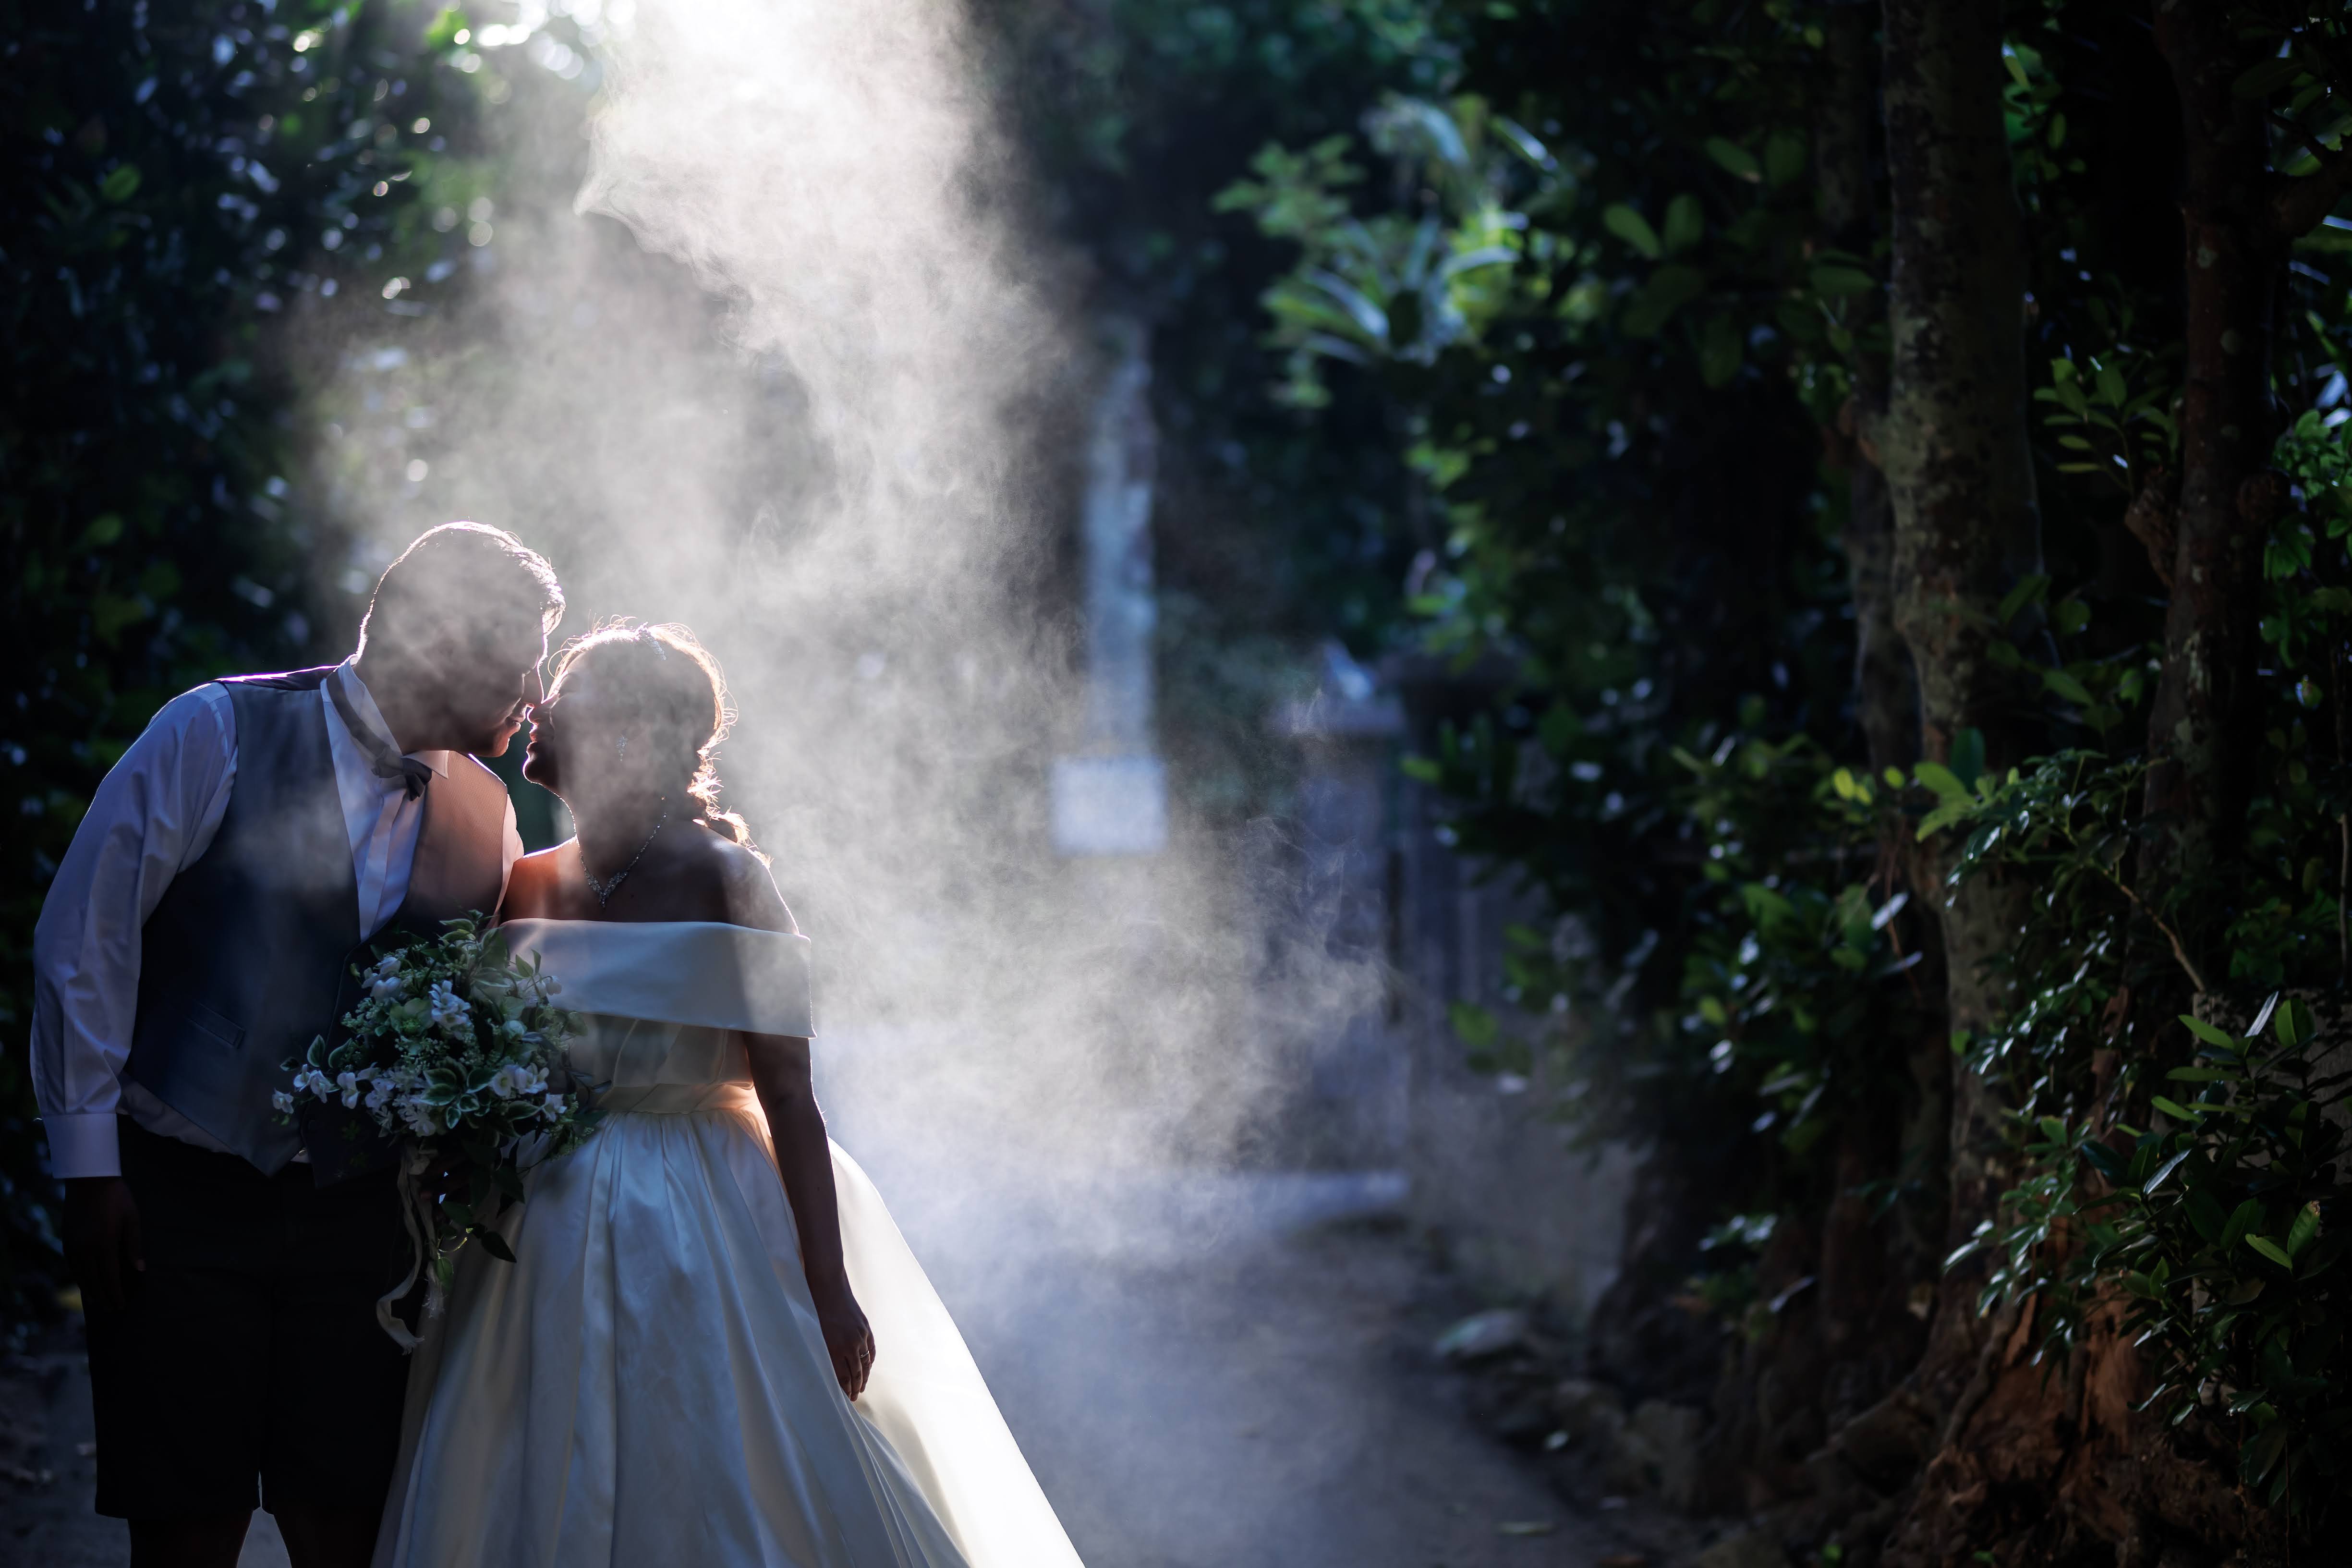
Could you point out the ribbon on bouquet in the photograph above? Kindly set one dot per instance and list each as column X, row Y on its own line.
column 416, row 1214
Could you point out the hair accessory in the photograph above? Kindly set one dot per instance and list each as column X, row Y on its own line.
column 621, row 747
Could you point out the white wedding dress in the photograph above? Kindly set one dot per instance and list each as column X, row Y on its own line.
column 647, row 1383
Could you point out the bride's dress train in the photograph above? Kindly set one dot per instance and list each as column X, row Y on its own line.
column 647, row 1383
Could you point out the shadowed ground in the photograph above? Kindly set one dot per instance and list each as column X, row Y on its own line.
column 1229, row 1396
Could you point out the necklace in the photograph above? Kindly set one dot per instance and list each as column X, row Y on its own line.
column 605, row 889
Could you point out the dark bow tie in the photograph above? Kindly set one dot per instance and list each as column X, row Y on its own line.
column 385, row 763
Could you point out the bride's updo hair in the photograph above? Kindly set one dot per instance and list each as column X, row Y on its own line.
column 666, row 692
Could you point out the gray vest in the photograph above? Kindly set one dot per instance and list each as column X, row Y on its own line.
column 248, row 954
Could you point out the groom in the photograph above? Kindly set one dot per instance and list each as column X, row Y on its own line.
column 195, row 937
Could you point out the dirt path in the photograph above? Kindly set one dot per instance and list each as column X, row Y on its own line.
column 1276, row 1407
column 1247, row 1394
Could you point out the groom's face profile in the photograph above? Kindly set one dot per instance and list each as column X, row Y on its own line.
column 486, row 691
column 454, row 639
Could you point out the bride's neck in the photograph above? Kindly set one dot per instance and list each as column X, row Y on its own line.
column 614, row 827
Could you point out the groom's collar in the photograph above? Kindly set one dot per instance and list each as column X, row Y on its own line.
column 372, row 717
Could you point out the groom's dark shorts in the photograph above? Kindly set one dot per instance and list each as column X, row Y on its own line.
column 249, row 1351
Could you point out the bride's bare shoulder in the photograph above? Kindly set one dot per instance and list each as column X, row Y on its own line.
column 749, row 890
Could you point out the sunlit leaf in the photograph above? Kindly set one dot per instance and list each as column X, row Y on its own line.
column 1942, row 780
column 2305, row 1227
column 1735, row 158
column 2208, row 1033
column 1630, row 227
column 2067, row 687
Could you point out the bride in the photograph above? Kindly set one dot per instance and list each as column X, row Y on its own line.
column 713, row 1346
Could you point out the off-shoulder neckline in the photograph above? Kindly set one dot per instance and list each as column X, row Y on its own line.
column 647, row 925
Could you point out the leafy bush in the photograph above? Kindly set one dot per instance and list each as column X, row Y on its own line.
column 2220, row 1230
column 2212, row 1232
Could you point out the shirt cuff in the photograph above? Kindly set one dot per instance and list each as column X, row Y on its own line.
column 84, row 1146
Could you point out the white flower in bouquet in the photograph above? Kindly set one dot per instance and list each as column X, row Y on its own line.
column 517, row 1079
column 454, row 1050
column 384, row 981
column 449, row 1011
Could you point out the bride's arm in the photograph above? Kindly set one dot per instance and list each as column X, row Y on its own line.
column 779, row 1070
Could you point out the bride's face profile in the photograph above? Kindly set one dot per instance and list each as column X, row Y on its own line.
column 570, row 736
column 617, row 729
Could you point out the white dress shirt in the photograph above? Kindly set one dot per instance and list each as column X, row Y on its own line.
column 154, row 816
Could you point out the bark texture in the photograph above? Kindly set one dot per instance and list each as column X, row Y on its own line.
column 1886, row 698
column 2232, row 258
column 1848, row 1286
column 1887, row 685
column 2051, row 1463
column 1959, row 474
column 1958, row 470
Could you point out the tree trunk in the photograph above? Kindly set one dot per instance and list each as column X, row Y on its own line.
column 1886, row 686
column 2232, row 258
column 1886, row 689
column 1871, row 1261
column 1958, row 468
column 2035, row 1462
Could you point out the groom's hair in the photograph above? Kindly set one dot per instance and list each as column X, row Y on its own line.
column 457, row 583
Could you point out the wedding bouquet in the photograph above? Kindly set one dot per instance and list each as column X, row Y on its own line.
column 454, row 1051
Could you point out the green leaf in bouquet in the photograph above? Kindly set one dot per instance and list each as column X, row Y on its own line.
column 495, row 1245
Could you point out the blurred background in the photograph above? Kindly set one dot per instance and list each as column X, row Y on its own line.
column 1317, row 621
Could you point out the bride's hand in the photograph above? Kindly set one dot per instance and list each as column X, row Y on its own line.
column 846, row 1335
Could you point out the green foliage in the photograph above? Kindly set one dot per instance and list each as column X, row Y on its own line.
column 1390, row 286
column 1642, row 559
column 2213, row 1229
column 1608, row 372
column 2105, row 424
column 179, row 177
column 1269, row 535
column 2063, row 827
column 2305, row 557
column 2220, row 1231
